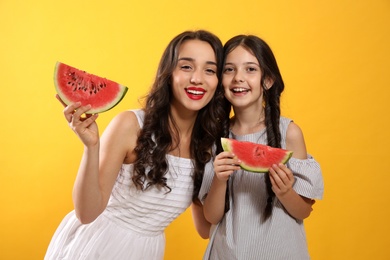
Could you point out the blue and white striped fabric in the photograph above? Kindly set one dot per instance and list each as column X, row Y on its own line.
column 241, row 234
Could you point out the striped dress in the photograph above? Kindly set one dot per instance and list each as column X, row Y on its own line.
column 241, row 234
column 133, row 224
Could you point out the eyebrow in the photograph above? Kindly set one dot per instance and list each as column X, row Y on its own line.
column 192, row 60
column 245, row 63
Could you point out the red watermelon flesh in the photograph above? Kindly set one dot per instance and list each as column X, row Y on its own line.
column 74, row 85
column 255, row 157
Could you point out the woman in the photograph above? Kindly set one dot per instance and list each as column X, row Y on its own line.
column 147, row 167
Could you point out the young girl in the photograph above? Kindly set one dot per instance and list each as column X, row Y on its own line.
column 147, row 167
column 259, row 216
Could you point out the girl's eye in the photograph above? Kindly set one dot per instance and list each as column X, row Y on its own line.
column 251, row 69
column 227, row 70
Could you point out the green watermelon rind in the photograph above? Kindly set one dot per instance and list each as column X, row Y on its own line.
column 226, row 145
column 120, row 95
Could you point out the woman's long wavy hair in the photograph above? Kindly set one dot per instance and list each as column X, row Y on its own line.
column 157, row 134
column 271, row 96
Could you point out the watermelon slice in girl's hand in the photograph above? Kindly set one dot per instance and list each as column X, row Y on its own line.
column 255, row 157
column 74, row 85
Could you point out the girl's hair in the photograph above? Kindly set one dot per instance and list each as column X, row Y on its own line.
column 271, row 95
column 156, row 136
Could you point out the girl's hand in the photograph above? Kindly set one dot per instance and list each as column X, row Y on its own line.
column 82, row 124
column 282, row 179
column 225, row 164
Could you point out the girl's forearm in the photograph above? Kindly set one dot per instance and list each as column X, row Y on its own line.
column 214, row 206
column 296, row 205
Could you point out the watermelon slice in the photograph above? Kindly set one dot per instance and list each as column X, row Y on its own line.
column 74, row 85
column 255, row 157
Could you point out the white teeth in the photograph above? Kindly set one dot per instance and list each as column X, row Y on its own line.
column 195, row 92
column 239, row 89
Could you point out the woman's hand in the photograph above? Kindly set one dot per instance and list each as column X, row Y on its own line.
column 84, row 125
column 225, row 164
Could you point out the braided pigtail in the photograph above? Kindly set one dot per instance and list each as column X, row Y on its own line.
column 272, row 116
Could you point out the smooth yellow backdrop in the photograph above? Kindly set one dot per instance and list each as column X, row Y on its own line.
column 334, row 56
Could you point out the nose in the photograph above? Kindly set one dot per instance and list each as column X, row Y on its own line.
column 238, row 77
column 196, row 77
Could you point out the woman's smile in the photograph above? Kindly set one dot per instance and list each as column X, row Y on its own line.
column 195, row 93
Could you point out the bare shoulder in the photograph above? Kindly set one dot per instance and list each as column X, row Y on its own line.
column 125, row 125
column 126, row 119
column 295, row 141
column 294, row 131
column 121, row 134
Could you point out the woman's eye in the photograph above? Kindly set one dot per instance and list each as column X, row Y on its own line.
column 186, row 67
column 210, row 71
column 251, row 69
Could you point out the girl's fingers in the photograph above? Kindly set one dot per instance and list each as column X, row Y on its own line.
column 226, row 158
column 274, row 177
column 282, row 178
column 281, row 171
column 224, row 155
column 279, row 176
column 273, row 183
column 225, row 164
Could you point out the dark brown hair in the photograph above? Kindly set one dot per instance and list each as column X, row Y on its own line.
column 155, row 138
column 269, row 69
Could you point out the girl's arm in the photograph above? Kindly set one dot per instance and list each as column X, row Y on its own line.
column 214, row 207
column 282, row 178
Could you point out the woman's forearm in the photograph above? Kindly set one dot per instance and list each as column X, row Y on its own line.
column 87, row 195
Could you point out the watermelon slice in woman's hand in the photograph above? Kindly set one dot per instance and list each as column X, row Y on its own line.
column 74, row 85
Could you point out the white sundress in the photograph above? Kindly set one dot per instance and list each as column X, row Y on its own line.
column 132, row 226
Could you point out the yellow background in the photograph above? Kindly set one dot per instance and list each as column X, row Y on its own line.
column 334, row 56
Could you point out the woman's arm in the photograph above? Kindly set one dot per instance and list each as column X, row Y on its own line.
column 101, row 163
column 201, row 224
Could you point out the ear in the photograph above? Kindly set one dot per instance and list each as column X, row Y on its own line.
column 268, row 82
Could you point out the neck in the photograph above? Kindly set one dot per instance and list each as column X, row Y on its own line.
column 248, row 121
column 183, row 122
